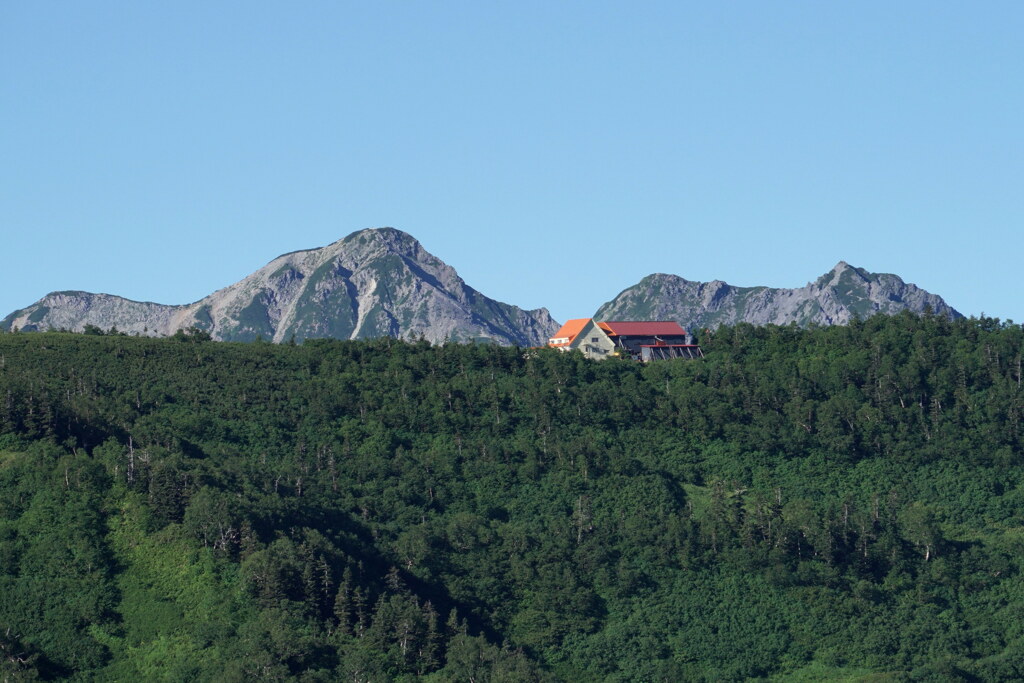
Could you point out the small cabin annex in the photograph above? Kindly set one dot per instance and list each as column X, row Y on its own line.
column 641, row 340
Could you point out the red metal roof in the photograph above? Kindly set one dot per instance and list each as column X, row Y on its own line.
column 669, row 346
column 650, row 328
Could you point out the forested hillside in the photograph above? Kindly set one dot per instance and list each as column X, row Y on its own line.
column 802, row 505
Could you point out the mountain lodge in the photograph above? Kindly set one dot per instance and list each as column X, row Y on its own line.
column 642, row 340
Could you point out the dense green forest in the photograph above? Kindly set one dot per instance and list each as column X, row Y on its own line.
column 836, row 503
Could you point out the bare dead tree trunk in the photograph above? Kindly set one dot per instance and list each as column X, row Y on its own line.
column 131, row 460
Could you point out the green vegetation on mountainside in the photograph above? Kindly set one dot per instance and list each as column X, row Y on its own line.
column 839, row 503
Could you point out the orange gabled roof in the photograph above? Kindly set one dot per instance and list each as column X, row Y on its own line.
column 569, row 330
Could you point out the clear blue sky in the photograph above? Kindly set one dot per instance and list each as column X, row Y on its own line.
column 552, row 152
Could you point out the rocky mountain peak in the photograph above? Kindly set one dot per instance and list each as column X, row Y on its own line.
column 373, row 241
column 838, row 296
column 371, row 283
column 843, row 272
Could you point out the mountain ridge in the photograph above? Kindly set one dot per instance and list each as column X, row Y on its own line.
column 383, row 282
column 837, row 297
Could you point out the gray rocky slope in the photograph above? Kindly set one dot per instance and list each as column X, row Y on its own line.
column 835, row 298
column 373, row 283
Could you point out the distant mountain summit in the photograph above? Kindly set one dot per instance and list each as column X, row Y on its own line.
column 373, row 283
column 835, row 298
